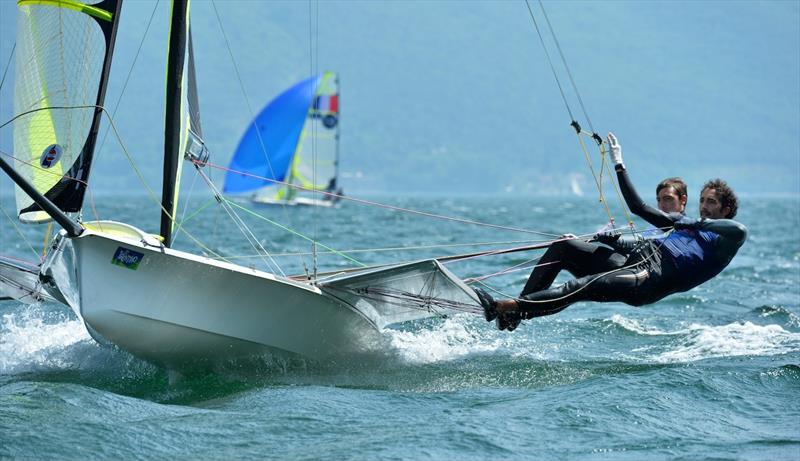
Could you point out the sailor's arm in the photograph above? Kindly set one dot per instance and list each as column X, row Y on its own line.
column 732, row 235
column 635, row 203
column 735, row 233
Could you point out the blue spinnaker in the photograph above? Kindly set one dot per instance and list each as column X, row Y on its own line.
column 267, row 147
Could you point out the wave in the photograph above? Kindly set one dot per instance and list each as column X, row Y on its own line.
column 638, row 327
column 698, row 341
column 28, row 341
column 779, row 313
column 735, row 339
column 451, row 340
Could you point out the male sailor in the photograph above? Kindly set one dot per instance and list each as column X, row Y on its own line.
column 671, row 195
column 635, row 272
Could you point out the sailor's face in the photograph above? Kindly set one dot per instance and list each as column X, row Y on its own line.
column 710, row 206
column 669, row 201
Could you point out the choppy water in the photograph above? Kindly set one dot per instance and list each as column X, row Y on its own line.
column 713, row 373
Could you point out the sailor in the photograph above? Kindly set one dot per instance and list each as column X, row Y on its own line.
column 671, row 195
column 635, row 272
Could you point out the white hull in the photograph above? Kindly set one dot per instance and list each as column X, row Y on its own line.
column 176, row 308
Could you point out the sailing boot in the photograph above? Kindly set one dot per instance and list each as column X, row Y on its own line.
column 508, row 321
column 488, row 303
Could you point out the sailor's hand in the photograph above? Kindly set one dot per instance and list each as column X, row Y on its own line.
column 607, row 237
column 615, row 148
column 568, row 236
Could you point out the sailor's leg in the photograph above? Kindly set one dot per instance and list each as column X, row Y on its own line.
column 617, row 286
column 578, row 257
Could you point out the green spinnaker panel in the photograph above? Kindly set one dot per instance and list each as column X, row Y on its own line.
column 60, row 54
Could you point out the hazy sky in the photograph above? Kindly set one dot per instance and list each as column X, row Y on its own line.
column 454, row 97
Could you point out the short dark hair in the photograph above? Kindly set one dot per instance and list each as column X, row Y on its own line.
column 725, row 195
column 676, row 183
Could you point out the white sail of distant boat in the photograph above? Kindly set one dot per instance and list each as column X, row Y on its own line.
column 293, row 141
column 575, row 184
column 131, row 288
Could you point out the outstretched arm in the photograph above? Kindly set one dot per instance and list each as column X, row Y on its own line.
column 637, row 206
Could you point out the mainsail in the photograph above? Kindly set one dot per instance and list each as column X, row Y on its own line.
column 293, row 140
column 62, row 65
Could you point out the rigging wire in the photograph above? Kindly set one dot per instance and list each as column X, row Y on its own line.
column 130, row 73
column 313, row 52
column 248, row 234
column 575, row 125
column 291, row 231
column 19, row 231
column 600, row 275
column 8, row 65
column 250, row 111
column 387, row 206
column 566, row 67
column 549, row 61
column 151, row 193
column 399, row 249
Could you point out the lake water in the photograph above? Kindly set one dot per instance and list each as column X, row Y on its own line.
column 713, row 373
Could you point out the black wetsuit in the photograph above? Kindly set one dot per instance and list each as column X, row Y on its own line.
column 635, row 273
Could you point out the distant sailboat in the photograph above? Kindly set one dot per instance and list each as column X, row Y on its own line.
column 575, row 184
column 291, row 149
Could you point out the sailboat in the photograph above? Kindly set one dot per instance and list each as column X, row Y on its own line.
column 291, row 149
column 131, row 288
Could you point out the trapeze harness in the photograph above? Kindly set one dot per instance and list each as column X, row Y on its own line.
column 634, row 272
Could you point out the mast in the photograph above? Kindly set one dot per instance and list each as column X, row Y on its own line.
column 172, row 122
column 336, row 158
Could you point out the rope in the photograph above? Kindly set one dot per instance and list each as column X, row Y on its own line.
column 575, row 124
column 313, row 45
column 292, row 231
column 600, row 275
column 566, row 66
column 16, row 228
column 549, row 61
column 383, row 205
column 615, row 186
column 601, row 197
column 130, row 73
column 387, row 249
column 250, row 111
column 248, row 234
column 8, row 64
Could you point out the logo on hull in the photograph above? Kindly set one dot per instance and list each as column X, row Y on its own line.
column 127, row 258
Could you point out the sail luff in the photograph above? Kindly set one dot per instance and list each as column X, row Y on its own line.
column 173, row 123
